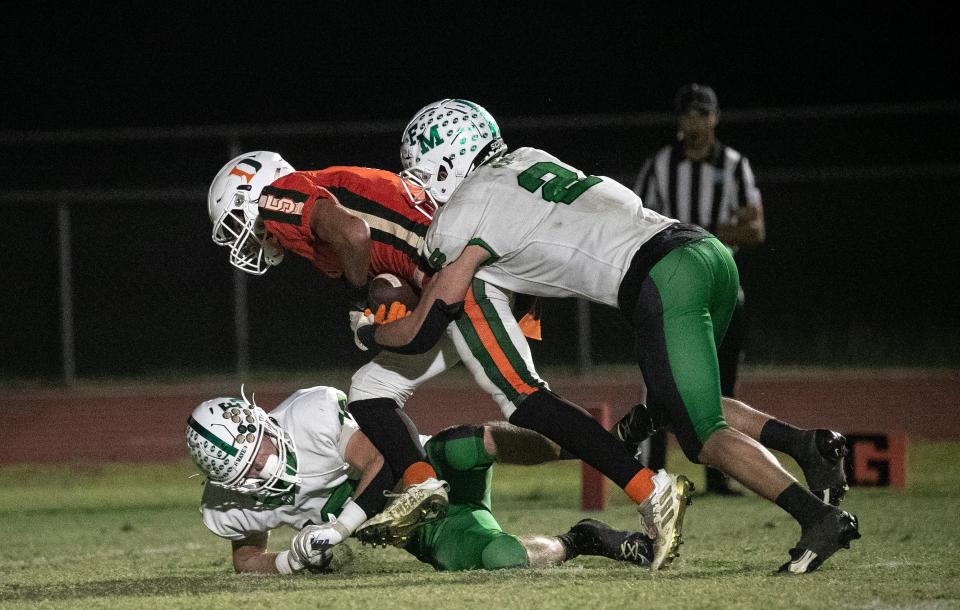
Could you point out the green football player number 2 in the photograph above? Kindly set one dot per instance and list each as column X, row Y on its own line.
column 564, row 187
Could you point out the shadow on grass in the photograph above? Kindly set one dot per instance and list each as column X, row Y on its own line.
column 132, row 587
column 165, row 586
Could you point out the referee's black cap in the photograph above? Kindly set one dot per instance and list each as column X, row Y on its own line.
column 695, row 96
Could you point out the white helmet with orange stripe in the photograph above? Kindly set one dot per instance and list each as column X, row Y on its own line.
column 232, row 205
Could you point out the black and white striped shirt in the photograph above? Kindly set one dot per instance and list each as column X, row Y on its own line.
column 703, row 193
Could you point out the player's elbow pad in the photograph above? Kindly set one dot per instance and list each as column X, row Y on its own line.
column 436, row 322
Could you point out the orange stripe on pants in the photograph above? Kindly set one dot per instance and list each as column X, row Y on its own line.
column 489, row 341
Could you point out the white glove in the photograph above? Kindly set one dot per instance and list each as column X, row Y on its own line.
column 312, row 547
column 359, row 319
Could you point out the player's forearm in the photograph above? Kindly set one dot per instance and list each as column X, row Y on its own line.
column 401, row 332
column 250, row 556
column 415, row 334
column 348, row 236
column 259, row 563
column 354, row 257
column 362, row 455
column 441, row 303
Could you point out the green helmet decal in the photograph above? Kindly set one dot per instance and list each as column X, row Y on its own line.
column 433, row 139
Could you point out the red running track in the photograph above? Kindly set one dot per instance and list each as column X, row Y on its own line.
column 95, row 424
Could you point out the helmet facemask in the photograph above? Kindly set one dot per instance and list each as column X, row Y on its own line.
column 240, row 228
column 420, row 199
column 225, row 435
column 232, row 205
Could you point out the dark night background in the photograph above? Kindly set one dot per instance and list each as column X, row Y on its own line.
column 69, row 65
column 854, row 271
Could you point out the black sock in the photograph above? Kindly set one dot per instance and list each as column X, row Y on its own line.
column 780, row 436
column 372, row 500
column 573, row 429
column 390, row 431
column 802, row 505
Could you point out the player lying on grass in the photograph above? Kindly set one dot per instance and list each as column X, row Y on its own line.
column 306, row 465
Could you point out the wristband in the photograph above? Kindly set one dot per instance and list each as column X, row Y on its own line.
column 351, row 517
column 283, row 563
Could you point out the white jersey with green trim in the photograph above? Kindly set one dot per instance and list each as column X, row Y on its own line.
column 551, row 230
column 316, row 418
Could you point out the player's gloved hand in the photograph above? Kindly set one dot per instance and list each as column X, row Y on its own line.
column 359, row 319
column 312, row 547
column 396, row 311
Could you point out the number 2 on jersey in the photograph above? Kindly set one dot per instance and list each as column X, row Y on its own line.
column 564, row 187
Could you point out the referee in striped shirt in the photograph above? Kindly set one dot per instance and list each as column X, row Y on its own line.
column 702, row 181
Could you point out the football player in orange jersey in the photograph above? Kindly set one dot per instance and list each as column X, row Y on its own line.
column 352, row 223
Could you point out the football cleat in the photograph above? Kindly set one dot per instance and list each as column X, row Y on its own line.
column 825, row 474
column 661, row 516
column 592, row 537
column 416, row 506
column 818, row 542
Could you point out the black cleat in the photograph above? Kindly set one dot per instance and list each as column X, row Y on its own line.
column 592, row 537
column 825, row 475
column 820, row 541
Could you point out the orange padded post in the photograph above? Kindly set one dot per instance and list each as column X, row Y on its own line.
column 593, row 485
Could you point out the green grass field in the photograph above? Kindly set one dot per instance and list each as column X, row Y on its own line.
column 121, row 536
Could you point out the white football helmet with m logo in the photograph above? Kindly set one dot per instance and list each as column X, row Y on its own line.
column 444, row 142
column 232, row 205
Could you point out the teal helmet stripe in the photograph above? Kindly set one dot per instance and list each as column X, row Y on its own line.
column 494, row 128
column 210, row 436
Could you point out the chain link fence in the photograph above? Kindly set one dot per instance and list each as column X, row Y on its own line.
column 110, row 270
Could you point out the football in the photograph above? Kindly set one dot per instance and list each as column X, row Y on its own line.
column 387, row 288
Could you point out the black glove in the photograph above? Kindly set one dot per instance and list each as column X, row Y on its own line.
column 636, row 426
column 356, row 295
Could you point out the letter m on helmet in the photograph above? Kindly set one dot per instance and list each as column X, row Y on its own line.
column 431, row 140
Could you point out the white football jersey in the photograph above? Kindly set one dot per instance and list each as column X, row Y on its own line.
column 317, row 420
column 551, row 230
